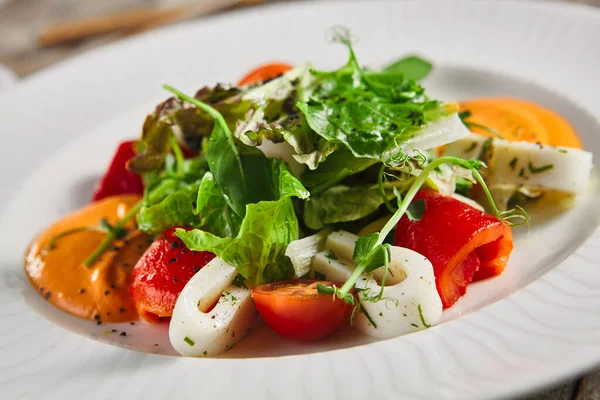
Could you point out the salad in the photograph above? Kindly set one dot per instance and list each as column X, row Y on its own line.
column 306, row 200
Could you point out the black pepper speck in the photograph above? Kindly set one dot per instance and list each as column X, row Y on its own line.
column 123, row 334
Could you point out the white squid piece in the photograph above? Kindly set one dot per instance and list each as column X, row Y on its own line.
column 410, row 299
column 528, row 164
column 195, row 331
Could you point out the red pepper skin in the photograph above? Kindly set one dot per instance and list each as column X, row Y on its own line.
column 117, row 179
column 462, row 243
column 161, row 274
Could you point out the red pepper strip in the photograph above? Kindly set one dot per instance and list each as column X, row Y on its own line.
column 264, row 73
column 117, row 179
column 161, row 274
column 462, row 243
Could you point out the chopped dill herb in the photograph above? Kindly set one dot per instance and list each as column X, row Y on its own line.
column 362, row 310
column 471, row 147
column 331, row 255
column 425, row 324
column 239, row 281
column 486, row 150
column 513, row 163
column 537, row 170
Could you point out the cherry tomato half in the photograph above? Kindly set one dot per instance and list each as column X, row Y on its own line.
column 264, row 72
column 295, row 310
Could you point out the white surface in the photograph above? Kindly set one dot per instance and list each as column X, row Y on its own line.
column 60, row 126
column 7, row 76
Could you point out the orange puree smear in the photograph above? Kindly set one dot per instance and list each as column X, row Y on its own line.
column 99, row 292
column 520, row 120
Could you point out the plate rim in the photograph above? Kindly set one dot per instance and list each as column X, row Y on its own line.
column 32, row 79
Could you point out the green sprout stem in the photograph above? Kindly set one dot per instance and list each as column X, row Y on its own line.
column 178, row 154
column 111, row 235
column 52, row 242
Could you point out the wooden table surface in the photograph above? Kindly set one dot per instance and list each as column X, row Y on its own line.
column 20, row 21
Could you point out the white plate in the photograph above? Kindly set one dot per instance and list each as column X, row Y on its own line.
column 60, row 126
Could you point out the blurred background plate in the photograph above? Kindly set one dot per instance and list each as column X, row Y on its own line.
column 60, row 124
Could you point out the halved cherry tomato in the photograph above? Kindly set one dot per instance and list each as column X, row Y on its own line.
column 161, row 274
column 264, row 73
column 118, row 179
column 295, row 310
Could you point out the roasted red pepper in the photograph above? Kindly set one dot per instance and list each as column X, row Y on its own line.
column 119, row 180
column 162, row 273
column 462, row 243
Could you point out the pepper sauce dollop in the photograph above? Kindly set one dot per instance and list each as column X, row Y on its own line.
column 99, row 292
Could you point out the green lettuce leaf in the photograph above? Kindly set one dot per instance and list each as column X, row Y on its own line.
column 344, row 203
column 175, row 209
column 156, row 135
column 368, row 112
column 285, row 184
column 275, row 117
column 332, row 171
column 170, row 198
column 341, row 204
column 217, row 217
column 413, row 67
column 215, row 214
column 189, row 124
column 258, row 250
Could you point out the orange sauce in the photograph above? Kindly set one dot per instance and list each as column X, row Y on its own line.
column 520, row 120
column 99, row 292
